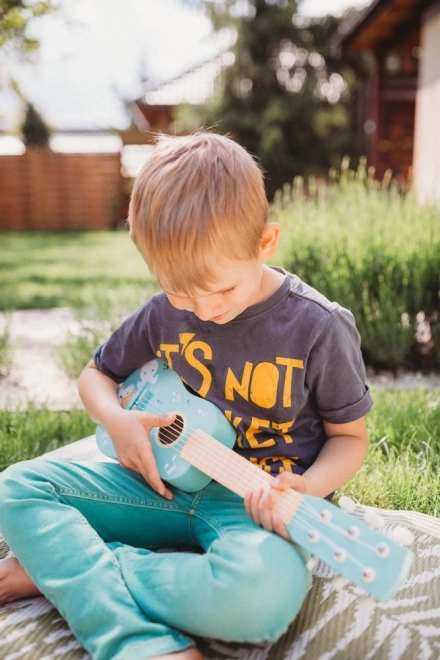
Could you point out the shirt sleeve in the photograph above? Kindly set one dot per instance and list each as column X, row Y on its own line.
column 336, row 372
column 127, row 349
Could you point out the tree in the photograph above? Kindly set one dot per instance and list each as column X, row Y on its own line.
column 285, row 98
column 15, row 16
column 34, row 130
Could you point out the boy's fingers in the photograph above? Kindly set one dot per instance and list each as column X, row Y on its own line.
column 259, row 507
column 284, row 480
column 265, row 507
column 252, row 506
column 141, row 457
column 153, row 479
column 279, row 526
column 287, row 480
column 152, row 421
column 148, row 469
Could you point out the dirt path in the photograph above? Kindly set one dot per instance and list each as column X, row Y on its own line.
column 35, row 376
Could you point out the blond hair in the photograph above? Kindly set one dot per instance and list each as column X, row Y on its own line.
column 197, row 197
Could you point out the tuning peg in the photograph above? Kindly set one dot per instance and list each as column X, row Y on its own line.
column 374, row 519
column 368, row 575
column 383, row 550
column 339, row 582
column 402, row 536
column 312, row 563
column 347, row 504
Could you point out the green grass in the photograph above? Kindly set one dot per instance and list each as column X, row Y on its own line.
column 29, row 433
column 96, row 323
column 401, row 471
column 6, row 347
column 403, row 464
column 53, row 269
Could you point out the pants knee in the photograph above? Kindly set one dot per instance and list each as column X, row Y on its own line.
column 267, row 591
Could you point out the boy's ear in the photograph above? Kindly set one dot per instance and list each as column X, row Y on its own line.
column 269, row 240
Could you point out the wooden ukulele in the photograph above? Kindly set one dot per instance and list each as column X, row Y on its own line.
column 196, row 448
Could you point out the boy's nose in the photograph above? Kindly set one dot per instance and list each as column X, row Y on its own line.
column 206, row 308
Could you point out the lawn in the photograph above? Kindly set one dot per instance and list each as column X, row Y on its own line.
column 40, row 270
column 403, row 464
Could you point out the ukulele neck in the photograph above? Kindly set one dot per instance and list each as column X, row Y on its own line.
column 235, row 472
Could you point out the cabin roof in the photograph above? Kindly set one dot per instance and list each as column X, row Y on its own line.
column 379, row 22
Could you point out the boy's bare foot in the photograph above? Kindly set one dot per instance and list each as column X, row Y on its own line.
column 190, row 653
column 15, row 583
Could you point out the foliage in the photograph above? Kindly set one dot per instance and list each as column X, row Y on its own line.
column 370, row 248
column 286, row 98
column 15, row 17
column 29, row 433
column 34, row 129
column 95, row 324
column 402, row 467
column 58, row 269
column 6, row 347
column 78, row 347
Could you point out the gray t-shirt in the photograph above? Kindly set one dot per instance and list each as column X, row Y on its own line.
column 276, row 371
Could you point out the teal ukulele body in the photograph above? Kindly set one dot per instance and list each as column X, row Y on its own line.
column 196, row 448
column 157, row 389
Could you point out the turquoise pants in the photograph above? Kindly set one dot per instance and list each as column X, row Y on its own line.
column 88, row 535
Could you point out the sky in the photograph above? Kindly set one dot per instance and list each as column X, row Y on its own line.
column 94, row 53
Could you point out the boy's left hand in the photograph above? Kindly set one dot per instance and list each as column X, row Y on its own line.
column 260, row 503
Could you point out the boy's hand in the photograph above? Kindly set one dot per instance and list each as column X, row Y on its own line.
column 260, row 503
column 129, row 431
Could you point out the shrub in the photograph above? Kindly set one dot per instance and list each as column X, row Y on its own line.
column 370, row 248
column 95, row 324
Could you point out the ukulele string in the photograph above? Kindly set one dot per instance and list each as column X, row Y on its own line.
column 303, row 518
column 175, row 435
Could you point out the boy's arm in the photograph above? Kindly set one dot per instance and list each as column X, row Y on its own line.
column 128, row 429
column 340, row 458
column 342, row 455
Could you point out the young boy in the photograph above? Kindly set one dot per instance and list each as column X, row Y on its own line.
column 281, row 362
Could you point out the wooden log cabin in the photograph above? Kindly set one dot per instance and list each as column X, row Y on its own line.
column 402, row 114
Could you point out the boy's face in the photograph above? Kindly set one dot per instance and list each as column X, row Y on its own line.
column 236, row 286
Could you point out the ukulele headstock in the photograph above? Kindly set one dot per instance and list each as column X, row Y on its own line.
column 365, row 556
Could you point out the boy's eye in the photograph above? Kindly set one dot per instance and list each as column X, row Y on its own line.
column 229, row 290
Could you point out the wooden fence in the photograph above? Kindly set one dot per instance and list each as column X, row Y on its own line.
column 43, row 190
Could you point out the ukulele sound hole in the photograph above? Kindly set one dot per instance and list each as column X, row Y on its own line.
column 169, row 434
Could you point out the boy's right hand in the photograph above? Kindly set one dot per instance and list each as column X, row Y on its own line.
column 129, row 431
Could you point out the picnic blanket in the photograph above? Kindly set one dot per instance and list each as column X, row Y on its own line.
column 334, row 624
